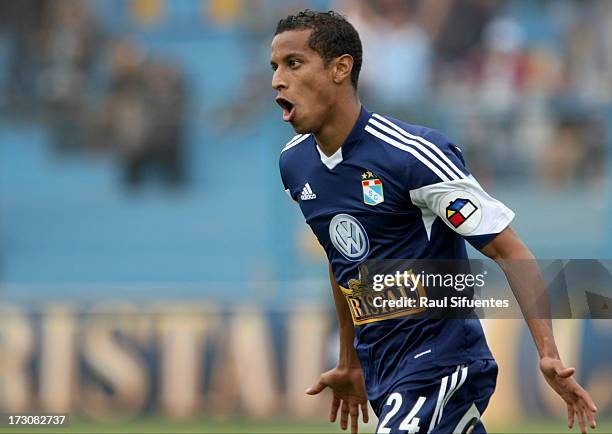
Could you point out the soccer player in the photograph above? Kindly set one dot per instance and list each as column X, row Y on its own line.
column 372, row 187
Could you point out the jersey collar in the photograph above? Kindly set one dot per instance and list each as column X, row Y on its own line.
column 353, row 139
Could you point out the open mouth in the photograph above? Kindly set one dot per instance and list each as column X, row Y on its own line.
column 288, row 108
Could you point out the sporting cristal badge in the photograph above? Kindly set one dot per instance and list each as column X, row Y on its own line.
column 372, row 189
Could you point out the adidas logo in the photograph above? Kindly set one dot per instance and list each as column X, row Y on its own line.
column 307, row 193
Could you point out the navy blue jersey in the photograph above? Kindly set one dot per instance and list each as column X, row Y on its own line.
column 394, row 191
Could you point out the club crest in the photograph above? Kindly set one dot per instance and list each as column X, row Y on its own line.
column 372, row 189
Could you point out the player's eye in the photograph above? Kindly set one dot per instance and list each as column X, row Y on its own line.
column 293, row 63
column 274, row 67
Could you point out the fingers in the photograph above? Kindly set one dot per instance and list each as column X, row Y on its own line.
column 588, row 402
column 333, row 412
column 579, row 402
column 584, row 415
column 354, row 412
column 581, row 422
column 347, row 409
column 586, row 407
column 344, row 414
column 317, row 388
column 590, row 417
column 589, row 408
column 364, row 412
column 570, row 416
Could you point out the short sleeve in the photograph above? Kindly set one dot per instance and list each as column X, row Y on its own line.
column 446, row 189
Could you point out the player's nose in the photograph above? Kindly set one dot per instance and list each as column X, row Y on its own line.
column 278, row 82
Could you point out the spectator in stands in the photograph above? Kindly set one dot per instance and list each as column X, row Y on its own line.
column 166, row 111
column 402, row 50
column 576, row 155
column 69, row 47
column 457, row 26
column 125, row 123
column 143, row 114
column 21, row 31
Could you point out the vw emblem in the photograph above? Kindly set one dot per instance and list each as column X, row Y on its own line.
column 349, row 237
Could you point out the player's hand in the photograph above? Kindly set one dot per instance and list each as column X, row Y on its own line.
column 578, row 401
column 349, row 395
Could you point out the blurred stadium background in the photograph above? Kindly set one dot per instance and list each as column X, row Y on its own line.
column 153, row 275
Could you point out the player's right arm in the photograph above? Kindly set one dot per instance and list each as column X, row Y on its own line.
column 346, row 379
column 348, row 356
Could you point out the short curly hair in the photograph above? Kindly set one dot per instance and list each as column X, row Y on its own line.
column 332, row 36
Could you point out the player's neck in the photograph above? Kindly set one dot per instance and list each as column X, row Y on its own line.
column 331, row 137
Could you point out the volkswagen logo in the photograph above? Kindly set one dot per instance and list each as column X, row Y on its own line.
column 349, row 237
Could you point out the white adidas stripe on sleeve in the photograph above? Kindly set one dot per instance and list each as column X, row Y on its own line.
column 425, row 142
column 420, row 147
column 408, row 149
column 295, row 141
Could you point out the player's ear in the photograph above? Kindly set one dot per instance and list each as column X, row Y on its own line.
column 342, row 68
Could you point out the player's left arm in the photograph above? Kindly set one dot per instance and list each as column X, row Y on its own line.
column 461, row 203
column 525, row 279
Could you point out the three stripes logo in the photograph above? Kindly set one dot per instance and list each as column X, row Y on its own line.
column 410, row 423
column 430, row 155
column 446, row 393
column 307, row 193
